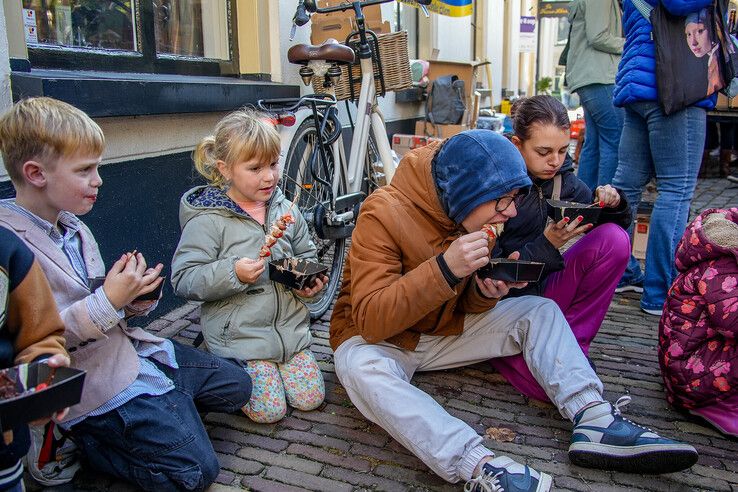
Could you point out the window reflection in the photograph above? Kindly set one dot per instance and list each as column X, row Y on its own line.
column 196, row 28
column 80, row 23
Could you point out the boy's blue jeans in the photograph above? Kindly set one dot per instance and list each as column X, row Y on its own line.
column 159, row 442
column 669, row 148
column 599, row 158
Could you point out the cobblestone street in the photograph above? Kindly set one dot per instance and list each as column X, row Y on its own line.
column 336, row 449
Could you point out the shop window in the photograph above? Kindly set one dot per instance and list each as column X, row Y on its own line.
column 191, row 28
column 406, row 19
column 562, row 30
column 162, row 36
column 79, row 23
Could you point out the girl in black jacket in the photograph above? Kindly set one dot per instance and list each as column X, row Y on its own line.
column 582, row 280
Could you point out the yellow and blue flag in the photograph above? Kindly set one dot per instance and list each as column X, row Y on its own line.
column 451, row 8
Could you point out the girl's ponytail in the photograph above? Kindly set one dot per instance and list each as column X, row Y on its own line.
column 206, row 162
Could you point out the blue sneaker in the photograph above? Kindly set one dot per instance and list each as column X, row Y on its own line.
column 505, row 474
column 603, row 438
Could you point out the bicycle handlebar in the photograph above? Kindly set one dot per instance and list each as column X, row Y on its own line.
column 311, row 6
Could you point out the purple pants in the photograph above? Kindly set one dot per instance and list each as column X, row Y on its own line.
column 583, row 290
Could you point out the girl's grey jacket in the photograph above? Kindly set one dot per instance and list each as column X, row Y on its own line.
column 260, row 321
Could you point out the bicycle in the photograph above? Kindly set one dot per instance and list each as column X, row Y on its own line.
column 327, row 188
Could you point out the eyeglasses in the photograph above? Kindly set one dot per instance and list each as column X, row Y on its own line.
column 504, row 202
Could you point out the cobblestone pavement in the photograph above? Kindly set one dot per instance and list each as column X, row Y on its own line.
column 335, row 448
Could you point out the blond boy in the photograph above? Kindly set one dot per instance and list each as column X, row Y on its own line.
column 137, row 419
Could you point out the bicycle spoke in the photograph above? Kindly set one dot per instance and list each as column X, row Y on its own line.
column 304, row 190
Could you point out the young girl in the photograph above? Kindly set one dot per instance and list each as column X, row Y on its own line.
column 698, row 352
column 225, row 227
column 582, row 280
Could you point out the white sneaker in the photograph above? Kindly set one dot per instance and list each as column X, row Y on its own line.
column 654, row 312
column 636, row 287
column 505, row 474
column 53, row 464
column 603, row 438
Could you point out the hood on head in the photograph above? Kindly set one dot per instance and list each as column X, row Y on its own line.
column 475, row 167
column 414, row 180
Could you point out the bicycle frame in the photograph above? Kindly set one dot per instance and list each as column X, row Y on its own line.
column 368, row 115
column 370, row 119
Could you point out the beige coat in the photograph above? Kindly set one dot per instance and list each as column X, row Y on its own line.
column 108, row 356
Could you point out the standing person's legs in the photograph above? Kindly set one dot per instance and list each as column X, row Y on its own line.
column 608, row 121
column 583, row 291
column 676, row 144
column 635, row 169
column 377, row 378
column 589, row 157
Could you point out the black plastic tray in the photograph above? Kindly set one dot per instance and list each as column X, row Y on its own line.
column 64, row 391
column 95, row 282
column 511, row 270
column 562, row 209
column 295, row 273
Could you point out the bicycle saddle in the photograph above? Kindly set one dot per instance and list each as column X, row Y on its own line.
column 331, row 51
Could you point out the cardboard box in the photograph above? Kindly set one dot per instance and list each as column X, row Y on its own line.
column 640, row 235
column 379, row 27
column 337, row 28
column 403, row 143
column 725, row 104
column 465, row 70
column 439, row 131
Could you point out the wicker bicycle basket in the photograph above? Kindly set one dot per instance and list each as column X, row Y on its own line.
column 395, row 64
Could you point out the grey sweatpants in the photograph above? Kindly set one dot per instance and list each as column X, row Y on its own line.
column 377, row 378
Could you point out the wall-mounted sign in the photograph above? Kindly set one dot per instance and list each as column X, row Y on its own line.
column 451, row 8
column 527, row 34
column 551, row 8
column 29, row 26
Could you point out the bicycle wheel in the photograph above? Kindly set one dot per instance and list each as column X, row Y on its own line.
column 297, row 175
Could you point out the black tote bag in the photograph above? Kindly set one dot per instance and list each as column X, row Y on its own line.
column 688, row 55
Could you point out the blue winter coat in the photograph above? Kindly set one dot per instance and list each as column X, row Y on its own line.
column 636, row 78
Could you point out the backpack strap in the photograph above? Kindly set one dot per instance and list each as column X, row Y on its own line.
column 429, row 104
column 556, row 194
column 644, row 8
